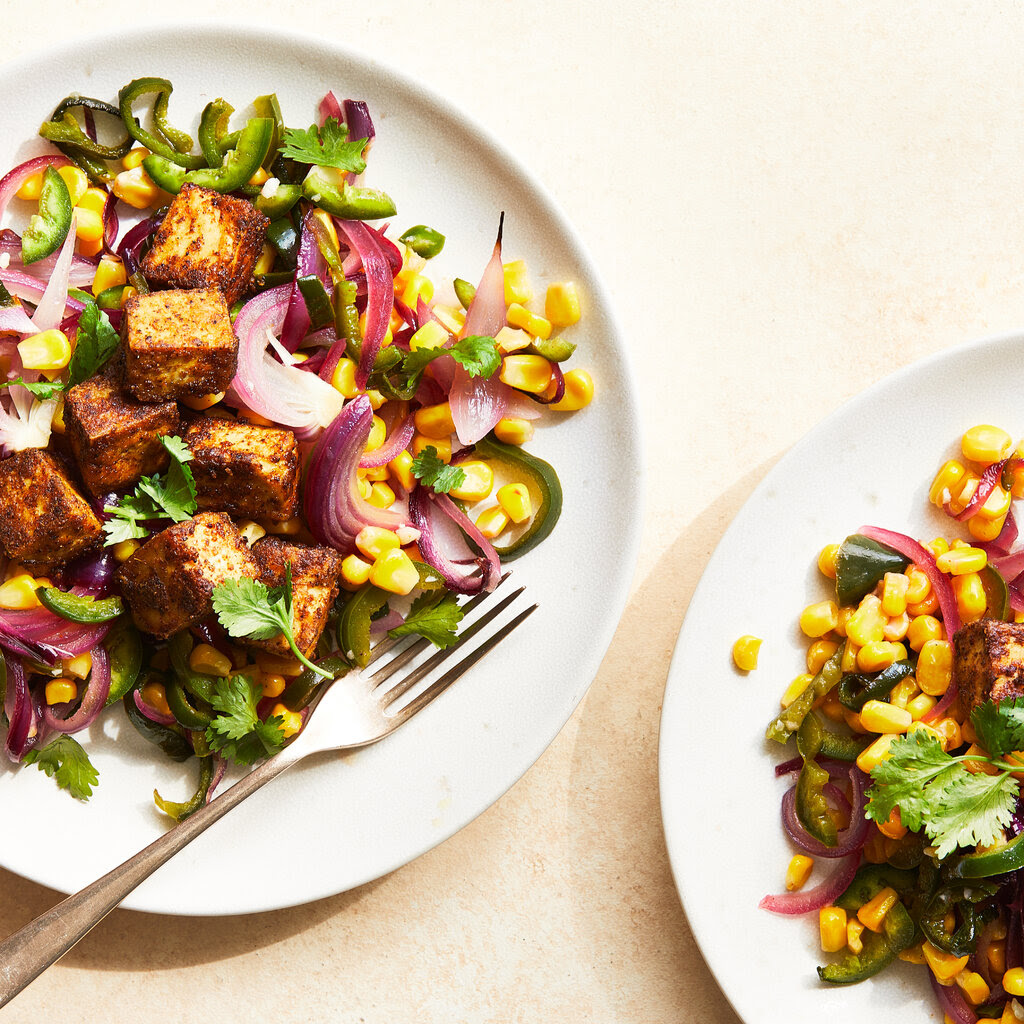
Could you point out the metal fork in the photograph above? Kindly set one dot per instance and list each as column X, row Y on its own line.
column 356, row 710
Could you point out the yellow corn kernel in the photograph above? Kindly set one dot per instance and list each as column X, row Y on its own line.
column 947, row 482
column 136, row 188
column 879, row 654
column 986, row 444
column 354, row 570
column 912, row 955
column 918, row 585
column 799, row 870
column 209, row 661
column 430, row 335
column 377, row 474
column 378, row 434
column 562, row 304
column 894, row 593
column 326, row 221
column 922, row 629
column 61, row 691
column 388, row 336
column 125, row 549
column 284, row 528
column 291, row 721
column 892, row 827
column 795, row 688
column 381, row 496
column 418, row 287
column 978, row 767
column 435, row 420
column 283, row 665
column 401, row 466
column 202, row 402
column 374, row 541
column 849, row 659
column 77, row 668
column 1013, row 1013
column 873, row 754
column 526, row 372
column 818, row 619
column 134, row 157
column 343, row 380
column 947, row 732
column 579, row 392
column 827, row 560
column 961, row 561
column 896, row 628
column 962, row 497
column 492, row 521
column 1013, row 981
column 985, row 530
column 995, row 506
column 155, row 696
column 973, row 987
column 854, row 930
column 903, row 691
column 442, row 447
column 110, row 273
column 365, row 488
column 520, row 316
column 996, row 956
column 832, row 928
column 872, row 913
column 920, row 706
column 452, row 319
column 879, row 716
column 94, row 199
column 57, row 424
column 251, row 531
column 255, row 418
column 88, row 225
column 31, row 187
column 478, row 483
column 393, row 571
column 868, row 622
column 744, row 652
column 515, row 500
column 818, row 653
column 266, row 261
column 76, row 180
column 971, row 599
column 272, row 684
column 19, row 592
column 48, row 350
column 517, row 282
column 512, row 339
column 513, row 431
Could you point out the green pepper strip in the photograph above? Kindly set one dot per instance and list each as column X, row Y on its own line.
column 167, row 145
column 48, row 228
column 346, row 318
column 278, row 204
column 854, row 698
column 423, row 241
column 197, row 683
column 963, row 898
column 791, row 718
column 993, row 862
column 354, row 623
column 284, row 237
column 185, row 712
column 346, row 201
column 812, row 806
column 556, row 350
column 213, row 126
column 170, row 740
column 79, row 608
column 63, row 130
column 465, row 292
column 268, row 106
column 301, row 690
column 318, row 302
column 180, row 811
column 538, row 475
column 813, row 738
column 124, row 648
column 880, row 950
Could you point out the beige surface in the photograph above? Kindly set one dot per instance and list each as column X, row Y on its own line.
column 789, row 201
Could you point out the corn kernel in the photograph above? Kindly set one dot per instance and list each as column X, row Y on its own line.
column 913, row 955
column 985, row 530
column 134, row 157
column 291, row 721
column 918, row 585
column 929, row 606
column 962, row 498
column 879, row 654
column 110, row 273
column 879, row 716
column 903, row 692
column 418, row 287
column 452, row 319
column 285, row 527
column 986, row 444
column 272, row 684
column 76, row 180
column 442, row 447
column 31, row 188
column 478, row 483
column 343, row 380
column 209, row 661
column 401, row 466
column 868, row 622
column 920, row 706
column 19, row 592
column 894, row 593
column 873, row 754
column 827, row 560
column 854, row 930
column 973, row 987
column 818, row 653
column 155, row 696
column 949, row 733
column 378, row 434
column 996, row 505
column 971, row 599
column 94, row 199
column 374, row 541
column 795, row 688
column 832, row 928
column 579, row 392
column 251, row 531
column 960, row 561
column 381, row 496
column 125, row 549
column 354, row 570
column 365, row 488
column 266, row 261
column 435, row 420
column 201, row 402
column 492, row 521
column 527, row 373
column 799, row 870
column 922, row 629
column 818, row 619
column 512, row 339
column 849, row 659
column 377, row 474
column 1013, row 981
column 745, row 651
column 514, row 498
column 79, row 667
column 279, row 664
column 1016, row 474
column 892, row 827
column 947, row 482
column 872, row 914
column 88, row 225
column 61, row 691
column 517, row 282
column 388, row 337
column 430, row 335
column 562, row 304
column 978, row 767
column 896, row 628
column 48, row 350
column 513, row 431
column 136, row 188
column 393, row 571
column 520, row 316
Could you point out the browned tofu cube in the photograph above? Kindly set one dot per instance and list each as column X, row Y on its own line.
column 116, row 439
column 44, row 521
column 168, row 583
column 247, row 470
column 178, row 344
column 988, row 661
column 207, row 240
column 316, row 572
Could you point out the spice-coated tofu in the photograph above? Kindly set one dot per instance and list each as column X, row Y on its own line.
column 44, row 521
column 988, row 661
column 316, row 572
column 247, row 470
column 116, row 439
column 178, row 344
column 207, row 240
column 168, row 583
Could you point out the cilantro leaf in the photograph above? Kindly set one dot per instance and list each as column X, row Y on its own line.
column 1000, row 726
column 914, row 761
column 436, row 620
column 41, row 389
column 237, row 732
column 328, row 146
column 64, row 759
column 428, row 468
column 973, row 808
column 478, row 355
column 95, row 342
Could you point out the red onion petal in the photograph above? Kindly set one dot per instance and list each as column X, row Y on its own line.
column 93, row 702
column 20, row 711
column 150, row 712
column 823, row 894
column 850, row 840
column 54, row 300
column 14, row 179
column 952, row 1001
column 397, row 440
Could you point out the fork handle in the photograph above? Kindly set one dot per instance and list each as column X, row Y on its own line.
column 29, row 951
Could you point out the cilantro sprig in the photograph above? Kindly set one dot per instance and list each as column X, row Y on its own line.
column 428, row 468
column 477, row 354
column 248, row 608
column 328, row 146
column 237, row 732
column 64, row 760
column 434, row 616
column 171, row 495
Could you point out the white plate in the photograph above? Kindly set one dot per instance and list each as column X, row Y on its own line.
column 327, row 826
column 869, row 463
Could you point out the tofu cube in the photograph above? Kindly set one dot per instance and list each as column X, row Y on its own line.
column 247, row 470
column 168, row 583
column 116, row 439
column 316, row 573
column 178, row 344
column 44, row 521
column 988, row 662
column 207, row 240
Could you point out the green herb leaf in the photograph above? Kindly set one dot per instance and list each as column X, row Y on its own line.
column 1000, row 727
column 237, row 732
column 974, row 808
column 328, row 146
column 428, row 468
column 914, row 762
column 64, row 759
column 478, row 355
column 436, row 620
column 95, row 343
column 41, row 389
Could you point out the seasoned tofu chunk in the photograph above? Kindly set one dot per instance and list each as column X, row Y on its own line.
column 178, row 344
column 44, row 521
column 316, row 572
column 988, row 661
column 168, row 583
column 247, row 470
column 207, row 240
column 115, row 439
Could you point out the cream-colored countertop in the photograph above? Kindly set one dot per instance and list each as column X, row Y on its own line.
column 789, row 201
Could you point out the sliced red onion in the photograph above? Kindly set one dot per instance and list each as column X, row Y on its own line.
column 14, row 318
column 150, row 712
column 310, row 261
column 822, row 895
column 20, row 711
column 132, row 244
column 952, row 1001
column 1003, row 544
column 31, row 289
column 54, row 301
column 521, row 408
column 330, row 107
column 91, row 573
column 386, row 622
column 986, row 485
column 357, row 119
column 559, row 392
column 850, row 839
column 111, row 222
column 93, row 702
column 391, row 251
column 400, row 430
column 25, row 421
column 334, row 509
column 39, row 634
column 83, row 270
column 14, row 179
